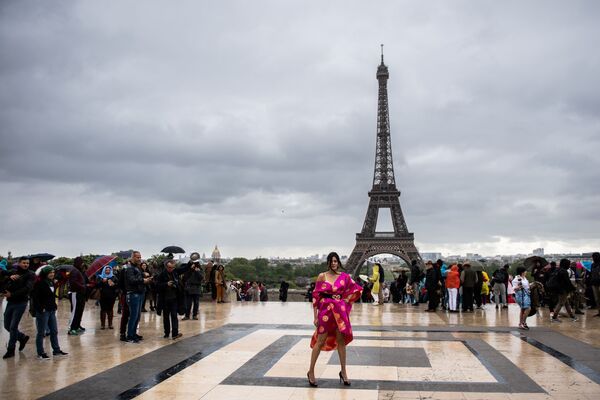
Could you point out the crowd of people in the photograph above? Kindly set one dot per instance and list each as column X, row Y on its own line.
column 459, row 287
column 173, row 290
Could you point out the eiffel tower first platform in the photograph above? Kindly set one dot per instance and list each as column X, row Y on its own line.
column 384, row 196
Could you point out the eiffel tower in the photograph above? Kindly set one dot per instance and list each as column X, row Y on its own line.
column 384, row 195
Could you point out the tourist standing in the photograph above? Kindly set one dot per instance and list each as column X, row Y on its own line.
column 135, row 287
column 415, row 278
column 334, row 294
column 500, row 282
column 595, row 280
column 564, row 290
column 522, row 296
column 170, row 298
column 452, row 285
column 283, row 291
column 468, row 279
column 77, row 296
column 193, row 290
column 43, row 304
column 220, row 283
column 433, row 286
column 376, row 289
column 108, row 285
column 18, row 285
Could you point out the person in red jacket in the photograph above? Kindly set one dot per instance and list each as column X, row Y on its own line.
column 452, row 285
column 77, row 289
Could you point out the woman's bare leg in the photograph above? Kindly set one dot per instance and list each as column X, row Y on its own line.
column 341, row 348
column 315, row 355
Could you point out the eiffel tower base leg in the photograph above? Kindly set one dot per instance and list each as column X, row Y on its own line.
column 366, row 248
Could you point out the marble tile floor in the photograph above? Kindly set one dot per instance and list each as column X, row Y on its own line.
column 237, row 350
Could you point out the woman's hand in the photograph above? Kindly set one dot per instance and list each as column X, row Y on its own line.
column 316, row 322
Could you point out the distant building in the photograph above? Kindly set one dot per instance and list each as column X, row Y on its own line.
column 431, row 256
column 216, row 255
column 538, row 252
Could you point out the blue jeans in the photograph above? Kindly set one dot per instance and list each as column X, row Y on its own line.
column 43, row 320
column 134, row 301
column 12, row 317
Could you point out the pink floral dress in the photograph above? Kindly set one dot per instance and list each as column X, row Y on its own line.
column 334, row 303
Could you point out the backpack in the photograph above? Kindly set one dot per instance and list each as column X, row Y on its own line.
column 381, row 275
column 552, row 283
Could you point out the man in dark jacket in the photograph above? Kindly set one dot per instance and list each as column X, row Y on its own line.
column 433, row 285
column 77, row 289
column 193, row 289
column 18, row 286
column 564, row 289
column 500, row 284
column 170, row 296
column 468, row 280
column 415, row 278
column 283, row 290
column 135, row 287
column 595, row 280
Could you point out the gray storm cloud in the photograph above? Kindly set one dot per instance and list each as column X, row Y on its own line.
column 252, row 124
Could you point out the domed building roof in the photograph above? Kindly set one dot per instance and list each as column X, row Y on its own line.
column 216, row 254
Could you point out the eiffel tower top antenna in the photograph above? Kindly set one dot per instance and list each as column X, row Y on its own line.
column 382, row 53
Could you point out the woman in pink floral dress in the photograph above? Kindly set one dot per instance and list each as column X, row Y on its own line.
column 334, row 293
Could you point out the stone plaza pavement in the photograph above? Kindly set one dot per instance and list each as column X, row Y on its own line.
column 261, row 351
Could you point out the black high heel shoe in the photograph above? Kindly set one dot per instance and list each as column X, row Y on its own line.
column 311, row 383
column 346, row 383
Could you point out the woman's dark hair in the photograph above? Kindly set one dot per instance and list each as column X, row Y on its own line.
column 330, row 259
column 78, row 262
column 596, row 257
column 564, row 263
column 520, row 270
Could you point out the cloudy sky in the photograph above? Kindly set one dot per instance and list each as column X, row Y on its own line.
column 251, row 124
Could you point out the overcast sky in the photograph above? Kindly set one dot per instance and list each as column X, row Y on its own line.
column 251, row 124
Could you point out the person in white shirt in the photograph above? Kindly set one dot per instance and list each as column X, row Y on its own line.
column 520, row 285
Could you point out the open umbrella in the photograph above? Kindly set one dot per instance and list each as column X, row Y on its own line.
column 530, row 261
column 41, row 256
column 63, row 272
column 98, row 264
column 173, row 250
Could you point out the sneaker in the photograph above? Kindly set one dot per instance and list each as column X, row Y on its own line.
column 110, row 327
column 59, row 353
column 555, row 320
column 185, row 318
column 43, row 356
column 195, row 318
column 73, row 332
column 9, row 354
column 123, row 338
column 166, row 336
column 23, row 342
column 139, row 337
column 81, row 329
column 574, row 319
column 177, row 336
column 102, row 328
column 132, row 340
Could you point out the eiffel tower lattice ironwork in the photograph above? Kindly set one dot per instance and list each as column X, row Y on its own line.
column 383, row 195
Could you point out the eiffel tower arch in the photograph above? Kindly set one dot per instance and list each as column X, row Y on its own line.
column 384, row 195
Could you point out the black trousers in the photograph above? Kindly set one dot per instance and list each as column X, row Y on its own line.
column 467, row 303
column 77, row 305
column 434, row 299
column 189, row 300
column 170, row 321
column 478, row 296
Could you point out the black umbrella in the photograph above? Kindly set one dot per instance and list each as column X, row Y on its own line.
column 530, row 261
column 173, row 250
column 41, row 256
